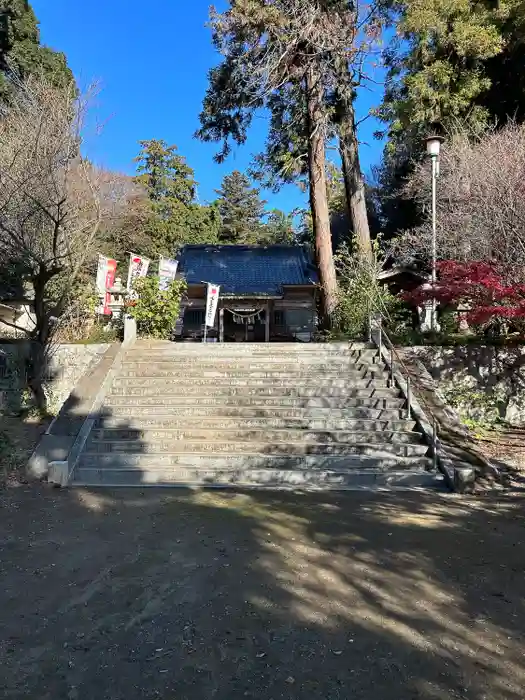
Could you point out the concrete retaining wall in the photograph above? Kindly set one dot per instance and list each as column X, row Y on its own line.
column 482, row 382
column 68, row 364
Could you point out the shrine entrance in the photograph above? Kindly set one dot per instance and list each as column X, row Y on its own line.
column 244, row 324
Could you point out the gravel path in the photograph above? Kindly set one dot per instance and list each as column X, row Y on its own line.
column 198, row 596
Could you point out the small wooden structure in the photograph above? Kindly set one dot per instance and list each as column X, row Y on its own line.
column 267, row 293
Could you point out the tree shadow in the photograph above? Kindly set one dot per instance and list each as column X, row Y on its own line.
column 261, row 594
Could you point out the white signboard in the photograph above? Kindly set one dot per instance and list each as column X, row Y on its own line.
column 212, row 302
column 167, row 272
column 101, row 274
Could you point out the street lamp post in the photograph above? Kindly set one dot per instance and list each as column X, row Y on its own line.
column 433, row 148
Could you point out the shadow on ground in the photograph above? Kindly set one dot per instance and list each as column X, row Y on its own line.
column 192, row 595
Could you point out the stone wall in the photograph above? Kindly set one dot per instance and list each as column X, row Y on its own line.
column 66, row 367
column 481, row 382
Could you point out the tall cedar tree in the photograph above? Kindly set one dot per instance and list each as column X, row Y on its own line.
column 21, row 53
column 302, row 59
column 173, row 216
column 241, row 210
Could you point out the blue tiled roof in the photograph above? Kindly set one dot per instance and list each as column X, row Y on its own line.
column 243, row 270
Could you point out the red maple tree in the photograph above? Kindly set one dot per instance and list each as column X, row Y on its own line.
column 481, row 287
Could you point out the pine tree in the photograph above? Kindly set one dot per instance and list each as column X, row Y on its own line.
column 241, row 210
column 21, row 53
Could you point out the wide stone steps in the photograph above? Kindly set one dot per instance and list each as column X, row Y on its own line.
column 365, row 400
column 221, row 423
column 278, row 415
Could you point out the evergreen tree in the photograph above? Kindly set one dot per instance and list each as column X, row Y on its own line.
column 21, row 53
column 164, row 173
column 437, row 65
column 303, row 60
column 169, row 217
column 279, row 229
column 241, row 210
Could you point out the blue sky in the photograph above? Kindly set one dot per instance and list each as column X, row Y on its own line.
column 151, row 59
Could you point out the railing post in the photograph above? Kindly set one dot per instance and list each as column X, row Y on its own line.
column 409, row 398
column 391, row 365
column 380, row 339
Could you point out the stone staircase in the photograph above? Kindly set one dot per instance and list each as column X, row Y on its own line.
column 294, row 415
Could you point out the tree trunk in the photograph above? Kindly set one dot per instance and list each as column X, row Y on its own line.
column 354, row 181
column 319, row 195
column 39, row 345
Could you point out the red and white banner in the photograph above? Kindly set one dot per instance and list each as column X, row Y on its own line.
column 110, row 281
column 138, row 267
column 106, row 271
column 212, row 302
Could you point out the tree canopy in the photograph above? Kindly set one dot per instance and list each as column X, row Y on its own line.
column 241, row 209
column 21, row 53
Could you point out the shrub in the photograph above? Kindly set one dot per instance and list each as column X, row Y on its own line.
column 361, row 295
column 156, row 311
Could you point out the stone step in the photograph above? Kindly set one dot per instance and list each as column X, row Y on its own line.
column 268, row 348
column 377, row 461
column 171, row 437
column 345, row 402
column 246, row 353
column 165, row 393
column 295, row 372
column 183, row 382
column 262, row 478
column 249, row 363
column 186, row 446
column 161, row 422
column 120, row 414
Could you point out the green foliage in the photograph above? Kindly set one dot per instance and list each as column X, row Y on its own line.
column 241, row 210
column 170, row 217
column 279, row 229
column 164, row 174
column 20, row 50
column 436, row 63
column 360, row 295
column 477, row 410
column 156, row 311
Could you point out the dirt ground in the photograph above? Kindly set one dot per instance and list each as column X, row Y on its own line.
column 196, row 595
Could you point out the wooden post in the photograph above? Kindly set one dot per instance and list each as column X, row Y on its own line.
column 267, row 324
column 221, row 325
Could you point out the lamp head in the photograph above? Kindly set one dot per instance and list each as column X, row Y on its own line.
column 434, row 145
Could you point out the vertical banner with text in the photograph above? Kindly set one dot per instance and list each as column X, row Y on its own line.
column 167, row 272
column 212, row 302
column 106, row 271
column 138, row 267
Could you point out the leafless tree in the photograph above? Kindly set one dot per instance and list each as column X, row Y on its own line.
column 52, row 204
column 481, row 201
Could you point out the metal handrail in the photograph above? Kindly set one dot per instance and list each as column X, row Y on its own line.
column 389, row 345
